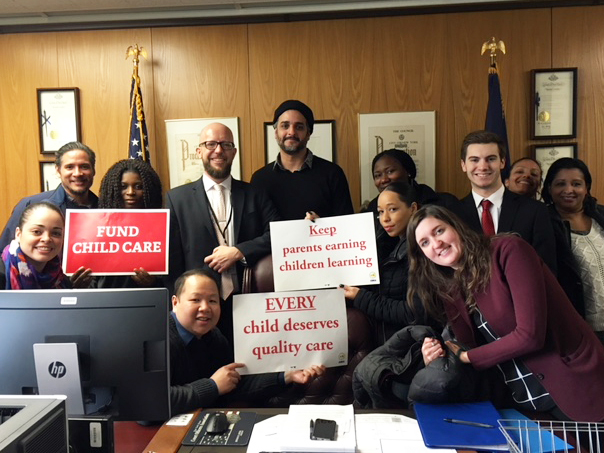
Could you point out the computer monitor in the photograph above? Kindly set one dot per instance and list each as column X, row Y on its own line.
column 122, row 346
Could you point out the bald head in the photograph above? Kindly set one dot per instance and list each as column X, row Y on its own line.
column 217, row 151
column 212, row 130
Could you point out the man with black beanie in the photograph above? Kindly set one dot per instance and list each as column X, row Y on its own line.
column 298, row 182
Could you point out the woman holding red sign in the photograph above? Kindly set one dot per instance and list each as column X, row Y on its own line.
column 130, row 184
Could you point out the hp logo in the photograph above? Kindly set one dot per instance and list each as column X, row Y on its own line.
column 57, row 370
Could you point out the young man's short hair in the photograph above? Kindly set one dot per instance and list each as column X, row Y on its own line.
column 482, row 138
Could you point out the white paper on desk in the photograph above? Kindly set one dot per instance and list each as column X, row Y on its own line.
column 295, row 436
column 389, row 433
column 265, row 436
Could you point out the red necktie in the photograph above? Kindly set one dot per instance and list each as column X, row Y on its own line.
column 487, row 220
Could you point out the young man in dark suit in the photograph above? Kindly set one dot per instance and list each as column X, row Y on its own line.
column 482, row 159
column 218, row 220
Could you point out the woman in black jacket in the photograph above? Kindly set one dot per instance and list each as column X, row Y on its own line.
column 578, row 223
column 386, row 306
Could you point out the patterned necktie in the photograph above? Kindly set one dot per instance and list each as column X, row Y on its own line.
column 487, row 220
column 226, row 277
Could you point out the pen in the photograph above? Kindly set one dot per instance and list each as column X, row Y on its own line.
column 463, row 422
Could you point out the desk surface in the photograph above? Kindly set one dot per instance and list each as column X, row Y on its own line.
column 168, row 439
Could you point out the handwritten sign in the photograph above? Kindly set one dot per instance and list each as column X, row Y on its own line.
column 115, row 241
column 323, row 254
column 290, row 330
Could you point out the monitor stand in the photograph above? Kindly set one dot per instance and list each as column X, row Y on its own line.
column 58, row 373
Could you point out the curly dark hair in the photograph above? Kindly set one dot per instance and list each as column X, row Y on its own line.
column 111, row 191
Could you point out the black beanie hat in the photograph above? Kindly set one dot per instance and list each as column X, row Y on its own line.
column 301, row 107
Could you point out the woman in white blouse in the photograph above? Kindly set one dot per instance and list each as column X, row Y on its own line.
column 579, row 225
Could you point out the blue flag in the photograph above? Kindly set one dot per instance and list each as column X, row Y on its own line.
column 495, row 121
column 138, row 145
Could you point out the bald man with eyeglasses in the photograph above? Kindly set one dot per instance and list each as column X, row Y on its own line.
column 218, row 220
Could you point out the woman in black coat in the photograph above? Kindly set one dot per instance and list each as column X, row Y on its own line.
column 386, row 306
column 578, row 223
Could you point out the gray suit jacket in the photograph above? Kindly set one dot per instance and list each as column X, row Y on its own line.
column 192, row 234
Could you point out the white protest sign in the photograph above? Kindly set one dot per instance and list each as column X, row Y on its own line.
column 290, row 330
column 323, row 254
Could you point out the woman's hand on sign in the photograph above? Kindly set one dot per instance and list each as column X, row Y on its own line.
column 81, row 278
column 350, row 292
column 142, row 278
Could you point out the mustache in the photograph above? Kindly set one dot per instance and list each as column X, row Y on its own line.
column 293, row 137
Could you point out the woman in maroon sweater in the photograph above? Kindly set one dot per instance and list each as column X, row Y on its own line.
column 503, row 303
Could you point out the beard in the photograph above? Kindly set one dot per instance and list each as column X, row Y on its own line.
column 215, row 172
column 300, row 145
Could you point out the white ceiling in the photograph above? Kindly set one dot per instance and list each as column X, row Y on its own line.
column 76, row 12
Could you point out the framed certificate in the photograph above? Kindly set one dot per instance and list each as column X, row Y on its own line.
column 546, row 155
column 554, row 103
column 322, row 142
column 58, row 117
column 411, row 132
column 49, row 178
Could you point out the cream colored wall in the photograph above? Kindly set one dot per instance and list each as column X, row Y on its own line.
column 340, row 68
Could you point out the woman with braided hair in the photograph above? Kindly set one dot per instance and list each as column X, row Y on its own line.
column 130, row 184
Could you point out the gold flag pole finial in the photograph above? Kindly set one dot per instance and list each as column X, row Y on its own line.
column 492, row 45
column 135, row 51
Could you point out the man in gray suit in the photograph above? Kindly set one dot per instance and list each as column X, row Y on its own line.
column 218, row 220
column 482, row 159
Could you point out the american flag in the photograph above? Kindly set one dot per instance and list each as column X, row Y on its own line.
column 138, row 145
column 495, row 121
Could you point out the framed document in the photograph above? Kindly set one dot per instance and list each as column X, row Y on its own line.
column 49, row 178
column 58, row 117
column 322, row 142
column 546, row 155
column 554, row 103
column 412, row 132
column 183, row 140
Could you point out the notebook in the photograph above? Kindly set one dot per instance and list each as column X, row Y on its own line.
column 438, row 433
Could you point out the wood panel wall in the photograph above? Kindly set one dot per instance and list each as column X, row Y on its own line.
column 339, row 67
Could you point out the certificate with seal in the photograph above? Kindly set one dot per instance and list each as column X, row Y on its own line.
column 546, row 155
column 554, row 106
column 58, row 117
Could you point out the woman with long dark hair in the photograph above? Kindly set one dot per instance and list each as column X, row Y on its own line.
column 506, row 306
column 386, row 306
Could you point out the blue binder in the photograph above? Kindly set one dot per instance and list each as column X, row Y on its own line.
column 438, row 433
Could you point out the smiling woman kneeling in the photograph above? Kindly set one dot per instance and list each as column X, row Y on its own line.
column 32, row 260
column 505, row 304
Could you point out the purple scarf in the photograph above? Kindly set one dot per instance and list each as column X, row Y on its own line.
column 22, row 275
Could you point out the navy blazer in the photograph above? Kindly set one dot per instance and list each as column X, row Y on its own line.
column 192, row 234
column 522, row 215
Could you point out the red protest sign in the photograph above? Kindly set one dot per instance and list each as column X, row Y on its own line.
column 115, row 241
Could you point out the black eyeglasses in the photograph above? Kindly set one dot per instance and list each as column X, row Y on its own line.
column 212, row 145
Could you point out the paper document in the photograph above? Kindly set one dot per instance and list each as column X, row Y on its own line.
column 390, row 433
column 295, row 436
